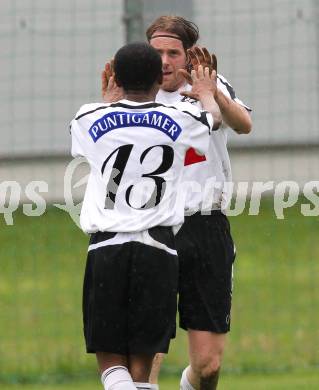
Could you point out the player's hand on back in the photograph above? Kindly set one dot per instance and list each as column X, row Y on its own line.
column 111, row 92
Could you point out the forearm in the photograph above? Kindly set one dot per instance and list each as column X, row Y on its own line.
column 236, row 116
column 209, row 104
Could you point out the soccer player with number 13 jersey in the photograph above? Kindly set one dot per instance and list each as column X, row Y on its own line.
column 136, row 149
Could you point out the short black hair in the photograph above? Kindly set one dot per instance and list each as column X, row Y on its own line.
column 137, row 66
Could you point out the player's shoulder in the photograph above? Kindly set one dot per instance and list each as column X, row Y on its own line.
column 224, row 85
column 222, row 79
column 89, row 108
column 183, row 108
column 188, row 108
column 188, row 114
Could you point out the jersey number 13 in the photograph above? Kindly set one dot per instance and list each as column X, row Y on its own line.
column 122, row 156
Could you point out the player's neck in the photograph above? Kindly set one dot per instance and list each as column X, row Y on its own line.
column 181, row 85
column 142, row 96
column 139, row 96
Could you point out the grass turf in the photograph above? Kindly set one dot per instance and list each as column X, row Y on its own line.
column 296, row 381
column 275, row 325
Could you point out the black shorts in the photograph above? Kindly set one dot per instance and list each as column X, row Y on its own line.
column 206, row 255
column 130, row 292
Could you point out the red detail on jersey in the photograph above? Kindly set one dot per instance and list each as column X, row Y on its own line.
column 191, row 157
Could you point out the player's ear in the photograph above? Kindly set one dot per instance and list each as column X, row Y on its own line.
column 189, row 65
column 117, row 81
column 160, row 78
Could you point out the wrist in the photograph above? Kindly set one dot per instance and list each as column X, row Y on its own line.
column 221, row 99
column 205, row 95
column 218, row 95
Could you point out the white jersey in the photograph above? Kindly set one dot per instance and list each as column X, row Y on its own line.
column 136, row 154
column 207, row 179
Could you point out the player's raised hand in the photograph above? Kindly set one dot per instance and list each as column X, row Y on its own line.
column 111, row 92
column 204, row 89
column 203, row 83
column 199, row 56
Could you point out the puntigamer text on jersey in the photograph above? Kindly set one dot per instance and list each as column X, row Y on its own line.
column 155, row 119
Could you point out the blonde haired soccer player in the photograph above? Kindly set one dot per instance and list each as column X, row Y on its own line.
column 205, row 247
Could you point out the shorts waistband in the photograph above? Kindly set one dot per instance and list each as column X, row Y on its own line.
column 206, row 213
column 199, row 210
column 160, row 237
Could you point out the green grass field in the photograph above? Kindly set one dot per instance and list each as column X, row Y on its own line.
column 296, row 381
column 275, row 333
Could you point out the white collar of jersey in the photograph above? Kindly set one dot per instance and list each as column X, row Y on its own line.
column 184, row 87
column 133, row 103
column 174, row 95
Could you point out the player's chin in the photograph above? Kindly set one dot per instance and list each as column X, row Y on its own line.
column 169, row 84
column 167, row 78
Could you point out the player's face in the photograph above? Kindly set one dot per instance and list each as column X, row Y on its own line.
column 173, row 58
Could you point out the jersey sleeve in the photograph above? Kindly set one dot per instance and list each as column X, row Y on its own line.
column 226, row 88
column 201, row 130
column 198, row 126
column 78, row 128
column 76, row 142
column 197, row 113
column 76, row 131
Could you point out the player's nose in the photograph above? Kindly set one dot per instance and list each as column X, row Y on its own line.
column 165, row 60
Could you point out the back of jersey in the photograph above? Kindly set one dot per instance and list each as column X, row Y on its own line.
column 136, row 155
